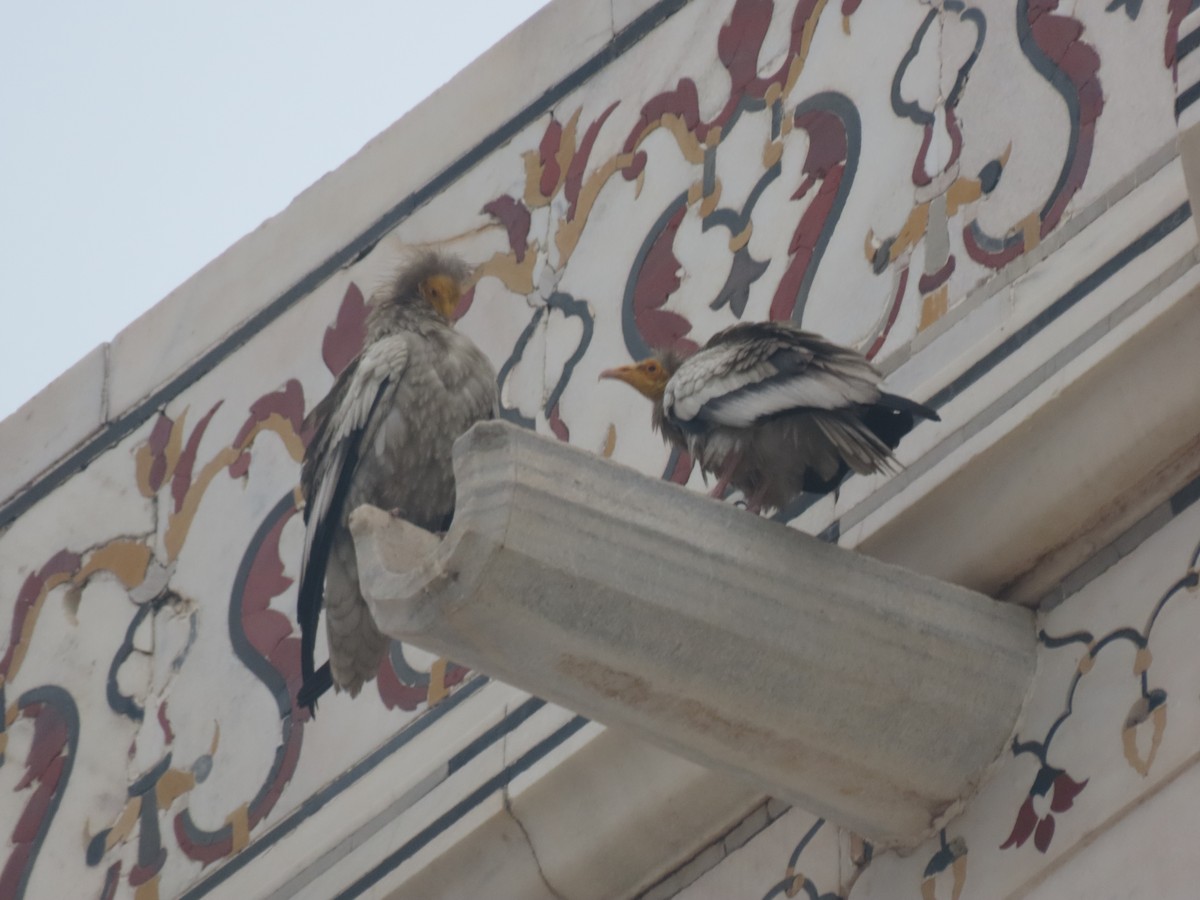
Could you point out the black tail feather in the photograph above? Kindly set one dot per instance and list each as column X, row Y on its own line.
column 313, row 687
column 891, row 417
column 903, row 404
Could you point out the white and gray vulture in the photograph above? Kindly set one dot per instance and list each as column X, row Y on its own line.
column 383, row 436
column 774, row 411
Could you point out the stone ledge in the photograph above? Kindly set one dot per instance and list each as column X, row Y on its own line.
column 861, row 691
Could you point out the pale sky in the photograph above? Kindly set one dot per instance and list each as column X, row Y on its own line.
column 139, row 139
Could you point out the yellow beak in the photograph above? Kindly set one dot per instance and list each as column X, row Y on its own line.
column 638, row 378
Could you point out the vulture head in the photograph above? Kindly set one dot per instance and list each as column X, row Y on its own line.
column 442, row 292
column 430, row 279
column 650, row 376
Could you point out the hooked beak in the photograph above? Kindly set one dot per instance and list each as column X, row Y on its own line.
column 448, row 305
column 640, row 378
column 627, row 374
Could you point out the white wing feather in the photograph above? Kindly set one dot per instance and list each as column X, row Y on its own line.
column 811, row 390
column 722, row 386
column 382, row 360
column 704, row 377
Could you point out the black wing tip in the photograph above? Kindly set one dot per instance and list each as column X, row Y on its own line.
column 313, row 688
column 903, row 404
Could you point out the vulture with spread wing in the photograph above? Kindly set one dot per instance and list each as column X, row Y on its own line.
column 383, row 436
column 774, row 411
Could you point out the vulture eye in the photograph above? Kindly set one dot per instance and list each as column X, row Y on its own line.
column 652, row 367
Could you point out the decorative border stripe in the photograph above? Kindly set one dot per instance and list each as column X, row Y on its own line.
column 1187, row 44
column 497, row 782
column 1067, row 301
column 1186, row 98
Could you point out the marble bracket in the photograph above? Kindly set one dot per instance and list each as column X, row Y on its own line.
column 856, row 689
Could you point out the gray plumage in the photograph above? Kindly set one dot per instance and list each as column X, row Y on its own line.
column 383, row 436
column 775, row 411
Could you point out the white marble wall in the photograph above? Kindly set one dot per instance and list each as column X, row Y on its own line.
column 623, row 176
column 1095, row 798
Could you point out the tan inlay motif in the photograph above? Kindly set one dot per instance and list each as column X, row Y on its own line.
column 688, row 145
column 869, row 246
column 533, row 197
column 569, row 231
column 740, row 240
column 1129, row 739
column 797, row 66
column 282, row 426
column 181, row 522
column 934, row 306
column 962, row 192
column 797, row 884
column 959, row 870
column 1031, row 228
column 1142, row 660
column 911, row 232
column 772, row 153
column 516, row 276
column 173, row 785
column 239, row 821
column 959, row 867
column 126, row 559
column 610, row 442
column 437, row 682
column 143, row 459
column 147, row 890
column 120, row 830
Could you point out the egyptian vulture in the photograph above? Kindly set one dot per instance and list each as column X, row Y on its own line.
column 383, row 436
column 774, row 411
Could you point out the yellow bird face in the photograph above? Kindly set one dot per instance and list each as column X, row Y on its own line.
column 442, row 292
column 648, row 377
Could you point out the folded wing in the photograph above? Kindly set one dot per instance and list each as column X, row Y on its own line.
column 752, row 372
column 346, row 418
